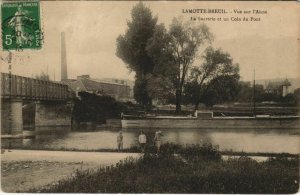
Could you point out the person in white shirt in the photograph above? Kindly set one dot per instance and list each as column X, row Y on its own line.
column 142, row 141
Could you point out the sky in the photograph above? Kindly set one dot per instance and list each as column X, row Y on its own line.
column 271, row 46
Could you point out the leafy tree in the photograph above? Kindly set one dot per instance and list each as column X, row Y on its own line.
column 217, row 68
column 191, row 92
column 174, row 51
column 221, row 89
column 161, row 81
column 131, row 48
column 245, row 92
column 95, row 108
column 261, row 95
column 290, row 99
column 140, row 92
column 297, row 95
column 158, row 48
column 297, row 92
column 185, row 42
column 43, row 76
column 160, row 88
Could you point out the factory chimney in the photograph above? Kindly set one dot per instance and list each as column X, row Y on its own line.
column 64, row 72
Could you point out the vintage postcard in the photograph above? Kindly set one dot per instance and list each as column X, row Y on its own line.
column 150, row 97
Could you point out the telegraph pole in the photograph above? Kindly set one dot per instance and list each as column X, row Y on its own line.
column 10, row 89
column 127, row 95
column 9, row 98
column 253, row 94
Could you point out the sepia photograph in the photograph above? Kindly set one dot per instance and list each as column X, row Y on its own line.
column 164, row 97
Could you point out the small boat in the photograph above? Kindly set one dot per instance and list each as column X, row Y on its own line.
column 207, row 120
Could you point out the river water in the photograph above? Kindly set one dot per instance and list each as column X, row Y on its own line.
column 250, row 140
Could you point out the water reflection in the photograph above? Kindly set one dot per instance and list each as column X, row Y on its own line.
column 250, row 140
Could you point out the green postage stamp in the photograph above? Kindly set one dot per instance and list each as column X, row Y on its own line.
column 21, row 28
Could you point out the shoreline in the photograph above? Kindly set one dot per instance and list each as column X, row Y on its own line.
column 137, row 150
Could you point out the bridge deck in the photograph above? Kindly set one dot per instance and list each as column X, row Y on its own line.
column 32, row 89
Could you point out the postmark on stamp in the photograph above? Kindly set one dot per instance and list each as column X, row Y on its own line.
column 21, row 27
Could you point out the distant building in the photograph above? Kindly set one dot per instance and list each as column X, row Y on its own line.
column 64, row 68
column 295, row 83
column 127, row 82
column 278, row 87
column 119, row 91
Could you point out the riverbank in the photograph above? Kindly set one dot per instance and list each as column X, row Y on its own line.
column 22, row 170
column 45, row 171
column 185, row 170
column 136, row 149
column 21, row 176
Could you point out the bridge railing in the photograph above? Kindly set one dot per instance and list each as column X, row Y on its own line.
column 29, row 88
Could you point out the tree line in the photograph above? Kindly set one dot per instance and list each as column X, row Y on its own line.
column 167, row 62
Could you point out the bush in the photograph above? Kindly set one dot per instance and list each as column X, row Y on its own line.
column 201, row 152
column 204, row 172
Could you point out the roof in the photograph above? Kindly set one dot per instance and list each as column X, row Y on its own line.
column 97, row 86
column 75, row 85
column 278, row 84
column 107, row 82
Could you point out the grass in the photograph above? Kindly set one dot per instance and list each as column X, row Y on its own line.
column 194, row 169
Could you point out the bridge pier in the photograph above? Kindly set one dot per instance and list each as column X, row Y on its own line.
column 16, row 116
column 49, row 113
column 11, row 117
column 52, row 108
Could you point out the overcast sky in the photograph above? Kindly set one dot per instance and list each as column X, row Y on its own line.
column 271, row 46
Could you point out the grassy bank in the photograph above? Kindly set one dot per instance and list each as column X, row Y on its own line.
column 195, row 169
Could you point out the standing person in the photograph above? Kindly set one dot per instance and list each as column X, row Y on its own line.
column 18, row 22
column 120, row 141
column 157, row 140
column 142, row 141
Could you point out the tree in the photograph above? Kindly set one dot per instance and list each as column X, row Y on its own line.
column 160, row 88
column 260, row 94
column 95, row 108
column 174, row 51
column 185, row 42
column 217, row 69
column 160, row 82
column 191, row 92
column 159, row 49
column 131, row 48
column 221, row 89
column 140, row 92
column 43, row 76
column 297, row 95
column 245, row 92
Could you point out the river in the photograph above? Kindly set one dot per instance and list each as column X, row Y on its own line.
column 250, row 140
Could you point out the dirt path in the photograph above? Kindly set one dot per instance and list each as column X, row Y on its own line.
column 22, row 170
